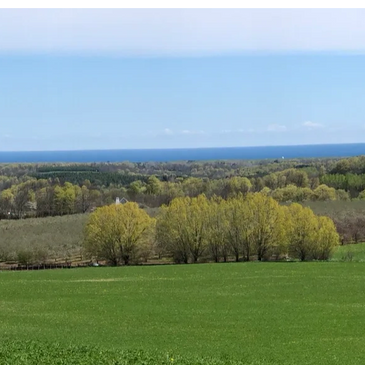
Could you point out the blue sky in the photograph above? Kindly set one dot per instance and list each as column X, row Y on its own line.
column 101, row 79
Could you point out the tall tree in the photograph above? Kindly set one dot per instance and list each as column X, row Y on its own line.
column 183, row 227
column 302, row 230
column 117, row 232
column 268, row 225
column 218, row 225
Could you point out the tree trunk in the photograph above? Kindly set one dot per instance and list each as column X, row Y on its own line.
column 126, row 259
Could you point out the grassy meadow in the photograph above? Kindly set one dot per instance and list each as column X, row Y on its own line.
column 252, row 313
column 353, row 252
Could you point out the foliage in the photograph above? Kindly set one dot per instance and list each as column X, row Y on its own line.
column 98, row 178
column 45, row 353
column 54, row 189
column 182, row 228
column 348, row 216
column 246, row 225
column 117, row 233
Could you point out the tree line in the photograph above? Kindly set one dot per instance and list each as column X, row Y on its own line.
column 191, row 229
column 28, row 196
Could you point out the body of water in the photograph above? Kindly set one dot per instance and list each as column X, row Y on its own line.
column 160, row 155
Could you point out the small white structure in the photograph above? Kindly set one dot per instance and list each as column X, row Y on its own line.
column 120, row 201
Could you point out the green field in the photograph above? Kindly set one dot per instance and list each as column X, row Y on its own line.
column 351, row 253
column 258, row 313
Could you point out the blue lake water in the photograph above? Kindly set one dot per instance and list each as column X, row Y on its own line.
column 158, row 155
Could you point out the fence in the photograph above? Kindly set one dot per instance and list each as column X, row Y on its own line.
column 42, row 267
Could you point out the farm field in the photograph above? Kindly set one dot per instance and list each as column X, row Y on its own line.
column 59, row 237
column 353, row 252
column 253, row 313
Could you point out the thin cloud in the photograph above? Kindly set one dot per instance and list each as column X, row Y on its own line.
column 312, row 125
column 187, row 131
column 177, row 32
column 276, row 128
column 249, row 130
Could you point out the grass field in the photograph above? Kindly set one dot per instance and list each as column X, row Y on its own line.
column 256, row 313
column 353, row 252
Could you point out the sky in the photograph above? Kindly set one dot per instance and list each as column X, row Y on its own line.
column 128, row 78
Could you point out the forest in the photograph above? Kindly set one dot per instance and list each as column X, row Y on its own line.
column 50, row 190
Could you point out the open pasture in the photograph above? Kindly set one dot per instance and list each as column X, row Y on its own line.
column 254, row 313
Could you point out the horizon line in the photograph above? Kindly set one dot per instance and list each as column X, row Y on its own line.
column 186, row 148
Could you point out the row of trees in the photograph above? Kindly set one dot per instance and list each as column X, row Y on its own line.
column 352, row 183
column 272, row 174
column 353, row 165
column 43, row 197
column 211, row 169
column 251, row 226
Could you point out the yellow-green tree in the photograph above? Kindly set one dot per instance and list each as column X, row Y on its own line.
column 182, row 228
column 267, row 231
column 324, row 192
column 6, row 200
column 327, row 239
column 286, row 194
column 116, row 233
column 362, row 195
column 302, row 231
column 154, row 186
column 193, row 186
column 171, row 190
column 218, row 224
column 236, row 185
column 240, row 217
column 23, row 195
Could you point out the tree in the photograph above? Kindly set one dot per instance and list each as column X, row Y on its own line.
column 362, row 195
column 267, row 232
column 240, row 218
column 271, row 181
column 218, row 244
column 45, row 201
column 286, row 194
column 171, row 191
column 23, row 194
column 296, row 177
column 182, row 227
column 115, row 233
column 134, row 189
column 6, row 201
column 342, row 195
column 168, row 232
column 25, row 257
column 236, row 185
column 302, row 231
column 154, row 186
column 83, row 199
column 327, row 239
column 323, row 192
column 193, row 186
